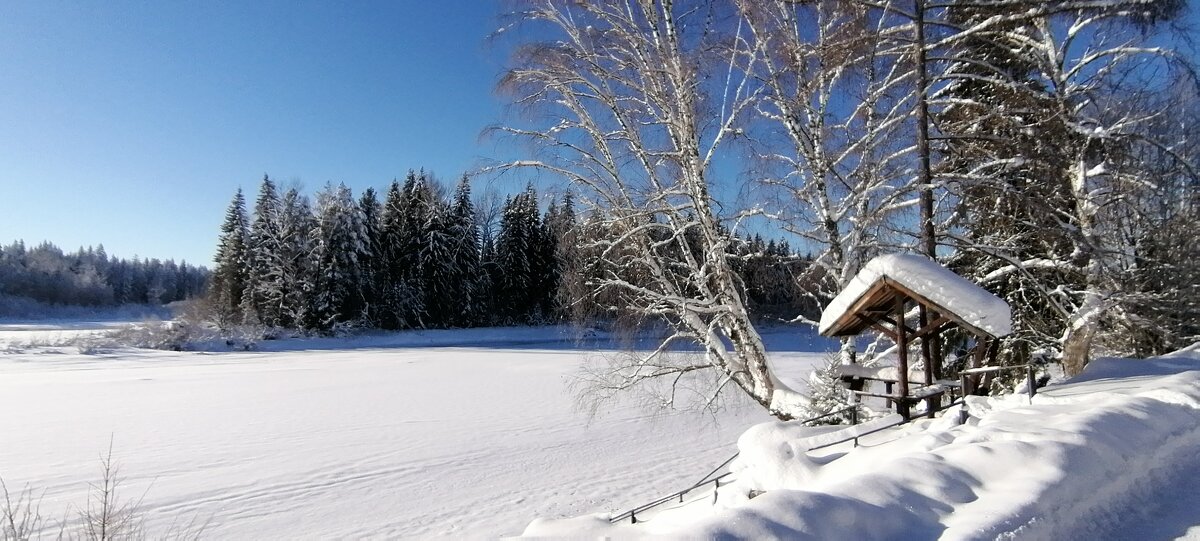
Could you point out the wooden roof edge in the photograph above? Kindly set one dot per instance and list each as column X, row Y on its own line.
column 937, row 307
column 885, row 281
column 853, row 311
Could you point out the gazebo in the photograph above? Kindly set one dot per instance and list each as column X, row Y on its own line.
column 909, row 298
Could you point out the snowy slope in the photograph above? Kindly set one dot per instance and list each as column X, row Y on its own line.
column 314, row 442
column 1112, row 454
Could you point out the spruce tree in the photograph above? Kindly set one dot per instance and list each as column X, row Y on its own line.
column 372, row 259
column 572, row 289
column 296, row 231
column 229, row 275
column 339, row 241
column 265, row 300
column 400, row 300
column 522, row 265
column 464, row 269
column 441, row 295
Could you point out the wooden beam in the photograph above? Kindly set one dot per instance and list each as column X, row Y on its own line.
column 932, row 328
column 858, row 306
column 940, row 309
column 885, row 331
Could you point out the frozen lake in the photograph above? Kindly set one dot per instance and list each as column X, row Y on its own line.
column 385, row 438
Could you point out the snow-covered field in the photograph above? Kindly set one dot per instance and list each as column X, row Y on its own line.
column 377, row 437
column 474, row 434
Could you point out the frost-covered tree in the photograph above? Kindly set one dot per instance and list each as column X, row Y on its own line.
column 521, row 260
column 401, row 296
column 436, row 257
column 1045, row 106
column 372, row 259
column 562, row 228
column 833, row 130
column 229, row 274
column 339, row 241
column 295, row 258
column 464, row 271
column 263, row 302
column 634, row 117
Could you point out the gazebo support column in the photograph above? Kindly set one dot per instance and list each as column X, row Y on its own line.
column 926, row 352
column 902, row 404
column 933, row 403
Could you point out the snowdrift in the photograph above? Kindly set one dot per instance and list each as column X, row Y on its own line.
column 1086, row 457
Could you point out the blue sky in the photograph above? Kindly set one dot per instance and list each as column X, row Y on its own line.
column 132, row 123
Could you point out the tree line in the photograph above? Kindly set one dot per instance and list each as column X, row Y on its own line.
column 90, row 277
column 420, row 257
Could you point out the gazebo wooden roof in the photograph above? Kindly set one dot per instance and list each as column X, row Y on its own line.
column 881, row 297
column 877, row 305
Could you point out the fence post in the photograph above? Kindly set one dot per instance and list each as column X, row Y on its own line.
column 1031, row 381
column 962, row 412
column 632, row 516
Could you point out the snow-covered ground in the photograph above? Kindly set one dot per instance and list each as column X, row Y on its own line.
column 379, row 437
column 1111, row 454
column 473, row 434
column 52, row 333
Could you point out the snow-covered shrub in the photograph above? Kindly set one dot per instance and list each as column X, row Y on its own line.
column 827, row 393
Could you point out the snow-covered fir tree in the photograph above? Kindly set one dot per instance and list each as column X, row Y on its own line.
column 464, row 272
column 263, row 302
column 520, row 260
column 229, row 274
column 436, row 254
column 296, row 275
column 372, row 260
column 561, row 228
column 399, row 293
column 339, row 240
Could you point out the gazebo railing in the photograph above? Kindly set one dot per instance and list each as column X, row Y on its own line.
column 964, row 376
column 715, row 482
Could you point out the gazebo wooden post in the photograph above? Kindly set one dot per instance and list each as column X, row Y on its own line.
column 932, row 403
column 902, row 352
column 926, row 352
column 935, row 345
column 978, row 354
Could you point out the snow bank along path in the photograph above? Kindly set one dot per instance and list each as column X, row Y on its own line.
column 329, row 444
column 1112, row 454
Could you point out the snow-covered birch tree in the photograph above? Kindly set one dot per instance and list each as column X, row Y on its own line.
column 832, row 131
column 628, row 109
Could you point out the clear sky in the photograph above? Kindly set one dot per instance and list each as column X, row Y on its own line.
column 132, row 123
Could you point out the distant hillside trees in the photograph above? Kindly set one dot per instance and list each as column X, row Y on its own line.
column 89, row 277
column 426, row 257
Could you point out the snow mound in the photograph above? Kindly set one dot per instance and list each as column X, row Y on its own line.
column 1082, row 460
column 925, row 277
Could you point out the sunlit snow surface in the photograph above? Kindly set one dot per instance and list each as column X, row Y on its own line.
column 1112, row 454
column 376, row 437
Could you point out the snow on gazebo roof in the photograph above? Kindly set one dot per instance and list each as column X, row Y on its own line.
column 936, row 285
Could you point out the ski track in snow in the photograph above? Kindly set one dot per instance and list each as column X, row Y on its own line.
column 369, row 443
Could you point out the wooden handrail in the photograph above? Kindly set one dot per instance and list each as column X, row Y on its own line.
column 716, row 481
